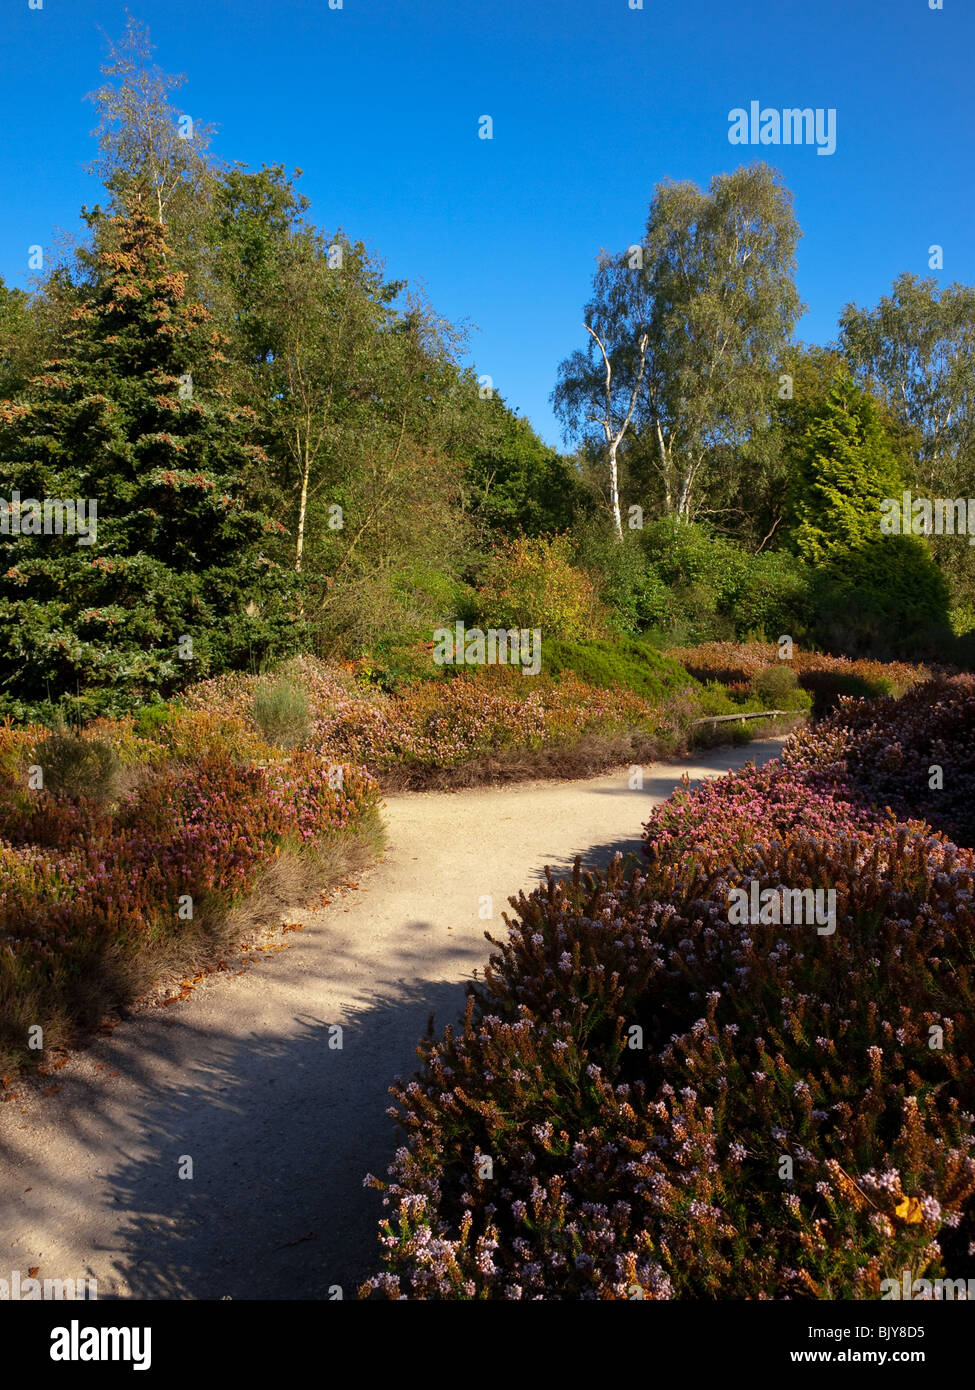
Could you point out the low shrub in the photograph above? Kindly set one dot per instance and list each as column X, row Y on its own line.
column 282, row 713
column 777, row 687
column 93, row 893
column 915, row 754
column 826, row 678
column 622, row 664
column 77, row 767
column 675, row 1105
column 487, row 722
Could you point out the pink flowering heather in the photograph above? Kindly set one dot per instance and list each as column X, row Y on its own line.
column 680, row 1106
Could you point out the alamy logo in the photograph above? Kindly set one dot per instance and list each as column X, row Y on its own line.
column 924, row 516
column 77, row 1343
column 924, row 1289
column 497, row 646
column 783, row 906
column 793, row 125
column 18, row 1289
column 52, row 517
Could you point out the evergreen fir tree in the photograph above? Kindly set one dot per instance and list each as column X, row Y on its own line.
column 846, row 467
column 181, row 579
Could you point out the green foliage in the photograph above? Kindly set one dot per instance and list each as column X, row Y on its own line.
column 77, row 767
column 622, row 664
column 845, row 469
column 718, row 266
column 717, row 589
column 282, row 712
column 777, row 687
column 150, row 718
column 514, row 483
column 629, row 587
column 887, row 598
column 20, row 342
column 531, row 582
column 916, row 349
column 177, row 552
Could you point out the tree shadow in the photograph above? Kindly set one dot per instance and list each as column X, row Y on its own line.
column 281, row 1132
column 280, row 1129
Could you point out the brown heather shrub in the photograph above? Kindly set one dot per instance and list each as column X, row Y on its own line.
column 654, row 1171
column 90, row 893
column 489, row 724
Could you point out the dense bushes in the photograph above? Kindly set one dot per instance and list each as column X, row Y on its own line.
column 887, row 598
column 533, row 583
column 916, row 754
column 91, row 893
column 738, row 664
column 714, row 588
column 623, row 664
column 491, row 721
column 677, row 1106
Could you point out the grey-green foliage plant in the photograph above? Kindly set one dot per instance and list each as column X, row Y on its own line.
column 77, row 767
column 282, row 712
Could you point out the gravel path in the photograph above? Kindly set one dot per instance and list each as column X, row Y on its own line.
column 240, row 1078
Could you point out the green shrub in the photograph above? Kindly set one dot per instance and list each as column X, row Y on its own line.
column 282, row 713
column 150, row 718
column 777, row 687
column 626, row 664
column 627, row 584
column 77, row 767
column 716, row 590
column 532, row 583
column 887, row 598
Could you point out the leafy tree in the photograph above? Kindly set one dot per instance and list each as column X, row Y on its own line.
column 917, row 351
column 133, row 416
column 515, row 484
column 254, row 215
column 19, row 340
column 324, row 367
column 846, row 469
column 598, row 387
column 749, row 486
column 146, row 144
column 711, row 291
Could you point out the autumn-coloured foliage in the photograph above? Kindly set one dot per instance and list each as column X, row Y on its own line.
column 674, row 1105
column 827, row 678
column 443, row 724
column 86, row 886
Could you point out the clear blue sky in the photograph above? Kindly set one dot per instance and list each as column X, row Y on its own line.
column 592, row 102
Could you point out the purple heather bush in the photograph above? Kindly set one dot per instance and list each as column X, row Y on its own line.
column 676, row 1106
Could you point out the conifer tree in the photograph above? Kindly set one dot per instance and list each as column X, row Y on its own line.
column 846, row 467
column 181, row 577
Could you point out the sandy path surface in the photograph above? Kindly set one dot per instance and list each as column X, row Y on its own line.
column 240, row 1078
